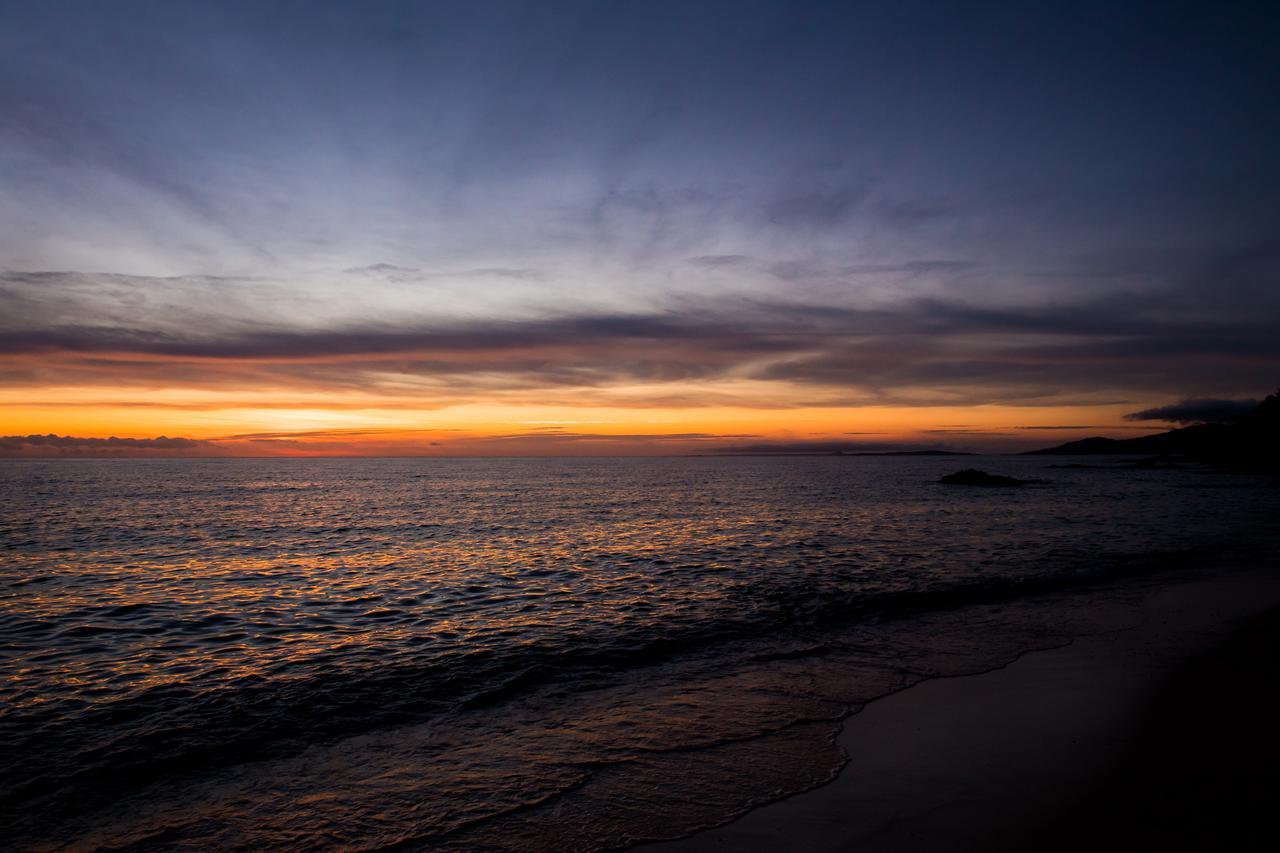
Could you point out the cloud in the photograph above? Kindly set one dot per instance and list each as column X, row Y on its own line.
column 1083, row 426
column 806, row 270
column 555, row 436
column 381, row 269
column 37, row 446
column 716, row 261
column 392, row 272
column 69, row 330
column 327, row 433
column 960, row 431
column 820, row 447
column 1196, row 411
column 915, row 212
column 822, row 208
column 472, row 341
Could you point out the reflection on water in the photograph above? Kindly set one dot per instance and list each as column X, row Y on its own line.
column 522, row 653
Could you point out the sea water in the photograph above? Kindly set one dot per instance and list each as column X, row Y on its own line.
column 522, row 654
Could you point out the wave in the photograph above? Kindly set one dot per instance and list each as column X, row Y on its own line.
column 188, row 731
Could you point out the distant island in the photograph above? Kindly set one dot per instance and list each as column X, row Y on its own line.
column 905, row 453
column 820, row 450
column 1251, row 442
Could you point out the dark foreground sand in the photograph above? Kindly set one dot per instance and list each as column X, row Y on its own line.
column 1162, row 736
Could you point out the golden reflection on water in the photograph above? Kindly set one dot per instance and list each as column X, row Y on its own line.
column 270, row 614
column 132, row 577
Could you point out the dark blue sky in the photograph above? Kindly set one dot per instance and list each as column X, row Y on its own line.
column 1000, row 202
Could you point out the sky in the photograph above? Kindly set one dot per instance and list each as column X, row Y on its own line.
column 475, row 228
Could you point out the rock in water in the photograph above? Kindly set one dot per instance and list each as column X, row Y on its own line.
column 974, row 477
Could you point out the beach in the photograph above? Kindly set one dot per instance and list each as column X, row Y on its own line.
column 1157, row 735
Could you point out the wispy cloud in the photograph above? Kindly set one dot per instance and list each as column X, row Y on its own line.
column 766, row 448
column 908, row 352
column 391, row 272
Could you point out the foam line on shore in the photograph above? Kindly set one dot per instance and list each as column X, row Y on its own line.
column 989, row 760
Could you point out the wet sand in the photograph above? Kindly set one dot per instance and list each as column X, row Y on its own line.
column 1160, row 736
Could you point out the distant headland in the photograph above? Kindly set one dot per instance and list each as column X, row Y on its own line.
column 1251, row 442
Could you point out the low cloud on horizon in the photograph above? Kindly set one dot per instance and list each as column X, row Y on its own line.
column 49, row 445
column 1197, row 411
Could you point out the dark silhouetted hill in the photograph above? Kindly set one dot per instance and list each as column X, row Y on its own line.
column 1252, row 442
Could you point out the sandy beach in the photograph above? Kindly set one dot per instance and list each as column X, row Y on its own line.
column 1158, row 734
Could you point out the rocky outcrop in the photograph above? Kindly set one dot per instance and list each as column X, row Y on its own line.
column 974, row 477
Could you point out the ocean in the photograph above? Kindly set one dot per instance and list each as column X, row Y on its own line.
column 525, row 654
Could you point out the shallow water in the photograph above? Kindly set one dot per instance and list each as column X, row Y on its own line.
column 519, row 654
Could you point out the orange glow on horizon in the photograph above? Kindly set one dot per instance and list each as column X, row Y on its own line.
column 308, row 423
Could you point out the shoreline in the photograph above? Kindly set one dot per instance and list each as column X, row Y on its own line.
column 1016, row 755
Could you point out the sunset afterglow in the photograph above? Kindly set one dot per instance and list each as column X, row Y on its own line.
column 378, row 243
